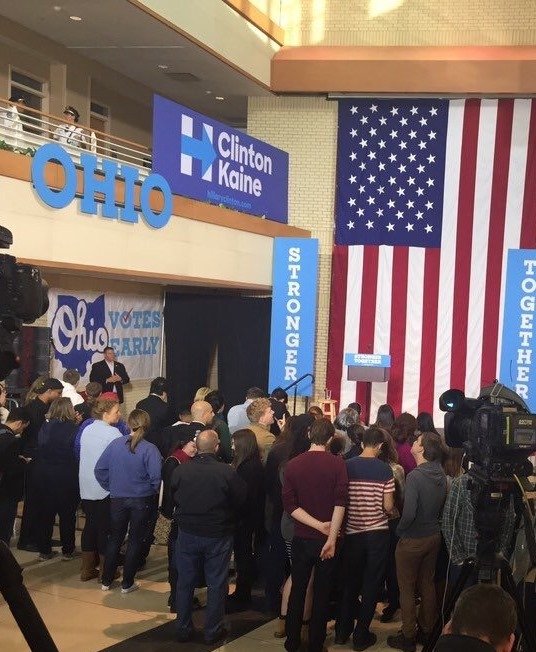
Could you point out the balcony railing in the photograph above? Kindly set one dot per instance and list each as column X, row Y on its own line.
column 23, row 130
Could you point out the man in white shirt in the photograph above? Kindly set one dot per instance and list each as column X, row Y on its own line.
column 237, row 417
column 71, row 378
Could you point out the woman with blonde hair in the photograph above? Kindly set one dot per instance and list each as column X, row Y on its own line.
column 56, row 478
column 130, row 469
column 201, row 394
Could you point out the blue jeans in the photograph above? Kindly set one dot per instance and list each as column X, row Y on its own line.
column 193, row 555
column 136, row 514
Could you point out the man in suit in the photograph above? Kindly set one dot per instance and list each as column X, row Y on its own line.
column 156, row 406
column 111, row 374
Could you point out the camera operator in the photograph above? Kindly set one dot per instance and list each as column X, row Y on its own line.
column 484, row 620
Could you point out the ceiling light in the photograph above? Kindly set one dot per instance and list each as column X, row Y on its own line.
column 220, row 97
column 208, row 92
column 57, row 7
column 163, row 66
column 76, row 19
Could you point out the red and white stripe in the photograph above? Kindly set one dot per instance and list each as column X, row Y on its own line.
column 438, row 312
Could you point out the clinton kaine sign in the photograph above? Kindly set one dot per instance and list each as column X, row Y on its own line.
column 209, row 161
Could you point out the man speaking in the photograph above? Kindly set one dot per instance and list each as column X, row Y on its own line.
column 111, row 374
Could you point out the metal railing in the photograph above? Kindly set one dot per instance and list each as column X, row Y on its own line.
column 23, row 129
column 295, row 385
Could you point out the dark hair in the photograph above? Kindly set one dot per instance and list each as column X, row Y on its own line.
column 345, row 419
column 76, row 115
column 18, row 414
column 71, row 376
column 158, row 386
column 372, row 437
column 385, row 417
column 216, row 400
column 452, row 463
column 316, row 412
column 403, row 429
column 108, row 348
column 355, row 406
column 355, row 433
column 434, row 450
column 296, row 433
column 62, row 409
column 280, row 395
column 388, row 452
column 485, row 611
column 255, row 392
column 184, row 409
column 336, row 444
column 93, row 391
column 245, row 446
column 17, row 98
column 321, row 432
column 425, row 422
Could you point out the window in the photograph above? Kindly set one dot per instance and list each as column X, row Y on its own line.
column 34, row 91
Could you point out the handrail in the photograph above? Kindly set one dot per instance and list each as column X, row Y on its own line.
column 295, row 385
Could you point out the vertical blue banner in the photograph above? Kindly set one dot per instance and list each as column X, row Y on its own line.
column 292, row 338
column 517, row 369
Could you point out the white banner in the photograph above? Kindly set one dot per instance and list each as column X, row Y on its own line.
column 83, row 323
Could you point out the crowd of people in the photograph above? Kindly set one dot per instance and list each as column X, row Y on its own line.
column 330, row 518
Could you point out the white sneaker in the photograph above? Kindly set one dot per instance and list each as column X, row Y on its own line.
column 105, row 587
column 133, row 587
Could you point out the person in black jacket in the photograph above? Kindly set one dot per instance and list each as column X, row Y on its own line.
column 111, row 374
column 11, row 469
column 250, row 527
column 156, row 406
column 207, row 495
column 56, row 478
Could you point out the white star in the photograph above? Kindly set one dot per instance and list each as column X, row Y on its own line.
column 410, row 203
column 432, row 135
column 391, row 203
column 371, row 155
column 361, row 189
column 402, row 144
column 411, row 158
column 351, row 201
column 371, row 201
column 362, row 166
column 381, row 144
column 353, row 156
column 371, row 178
column 383, row 121
column 360, row 212
column 363, row 142
column 394, row 111
column 429, row 182
column 409, row 227
column 411, row 181
column 399, row 215
column 393, row 133
column 363, row 119
column 390, row 227
column 419, row 215
column 381, row 167
column 403, row 121
column 420, row 192
column 412, row 134
column 381, row 190
column 414, row 110
column 372, row 131
column 352, row 179
column 370, row 224
column 379, row 212
column 392, row 181
column 420, row 168
column 428, row 228
column 431, row 159
column 350, row 225
column 429, row 205
column 423, row 122
column 392, row 158
column 422, row 145
column 354, row 110
column 374, row 108
column 353, row 133
column 433, row 111
column 400, row 192
column 401, row 168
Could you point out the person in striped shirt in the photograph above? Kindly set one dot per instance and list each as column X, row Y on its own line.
column 371, row 493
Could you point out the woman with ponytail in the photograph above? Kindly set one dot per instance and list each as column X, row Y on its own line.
column 130, row 469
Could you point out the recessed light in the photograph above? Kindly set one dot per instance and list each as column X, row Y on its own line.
column 208, row 92
column 76, row 19
column 163, row 66
column 220, row 98
column 57, row 7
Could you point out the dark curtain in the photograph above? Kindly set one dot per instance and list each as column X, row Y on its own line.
column 239, row 327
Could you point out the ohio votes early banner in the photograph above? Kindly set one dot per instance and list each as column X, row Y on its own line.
column 83, row 323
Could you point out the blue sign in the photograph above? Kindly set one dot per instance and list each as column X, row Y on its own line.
column 517, row 370
column 100, row 177
column 292, row 338
column 207, row 160
column 367, row 360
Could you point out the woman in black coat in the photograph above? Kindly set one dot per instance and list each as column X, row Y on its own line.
column 250, row 525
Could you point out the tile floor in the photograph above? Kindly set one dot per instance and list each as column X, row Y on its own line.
column 81, row 618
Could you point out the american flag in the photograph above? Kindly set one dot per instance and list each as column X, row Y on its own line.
column 431, row 194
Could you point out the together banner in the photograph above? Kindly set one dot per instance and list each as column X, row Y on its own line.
column 83, row 323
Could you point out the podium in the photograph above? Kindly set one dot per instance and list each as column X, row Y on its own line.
column 368, row 368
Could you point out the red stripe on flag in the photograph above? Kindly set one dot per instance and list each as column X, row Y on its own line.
column 367, row 320
column 464, row 240
column 337, row 317
column 399, row 294
column 429, row 330
column 528, row 222
column 499, row 193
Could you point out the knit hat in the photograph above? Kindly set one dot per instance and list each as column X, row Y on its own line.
column 48, row 383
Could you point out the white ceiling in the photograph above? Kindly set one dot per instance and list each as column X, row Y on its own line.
column 123, row 37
